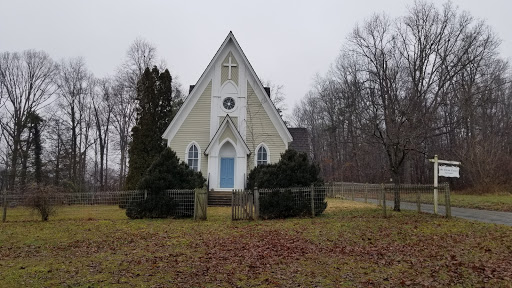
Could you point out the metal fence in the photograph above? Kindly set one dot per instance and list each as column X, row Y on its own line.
column 313, row 196
column 107, row 205
column 410, row 196
column 92, row 204
column 245, row 204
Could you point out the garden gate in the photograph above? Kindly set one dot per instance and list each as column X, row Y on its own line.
column 244, row 205
column 200, row 204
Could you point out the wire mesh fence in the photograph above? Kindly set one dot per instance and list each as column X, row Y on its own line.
column 110, row 204
column 418, row 197
column 89, row 205
column 312, row 197
column 185, row 200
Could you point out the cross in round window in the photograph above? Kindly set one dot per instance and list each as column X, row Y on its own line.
column 193, row 158
column 262, row 156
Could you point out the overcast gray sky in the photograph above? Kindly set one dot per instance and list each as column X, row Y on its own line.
column 287, row 42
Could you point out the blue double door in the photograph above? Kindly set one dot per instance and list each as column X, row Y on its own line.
column 227, row 172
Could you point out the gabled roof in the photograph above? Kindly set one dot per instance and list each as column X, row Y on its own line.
column 226, row 124
column 172, row 129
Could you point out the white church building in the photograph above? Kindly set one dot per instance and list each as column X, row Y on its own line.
column 227, row 124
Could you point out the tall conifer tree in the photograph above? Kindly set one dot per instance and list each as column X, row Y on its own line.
column 35, row 127
column 156, row 108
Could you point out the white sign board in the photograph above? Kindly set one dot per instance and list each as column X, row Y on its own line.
column 448, row 171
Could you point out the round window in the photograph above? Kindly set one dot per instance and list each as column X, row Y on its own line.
column 228, row 103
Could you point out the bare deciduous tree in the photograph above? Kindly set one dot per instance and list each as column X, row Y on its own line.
column 27, row 81
column 409, row 88
column 123, row 116
column 76, row 88
column 103, row 107
column 140, row 55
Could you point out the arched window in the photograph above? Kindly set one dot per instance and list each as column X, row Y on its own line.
column 262, row 156
column 193, row 157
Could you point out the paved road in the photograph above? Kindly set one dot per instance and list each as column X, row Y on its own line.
column 495, row 217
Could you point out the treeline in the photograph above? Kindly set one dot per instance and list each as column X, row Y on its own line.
column 402, row 90
column 62, row 126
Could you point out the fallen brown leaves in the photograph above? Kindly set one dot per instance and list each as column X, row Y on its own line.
column 346, row 247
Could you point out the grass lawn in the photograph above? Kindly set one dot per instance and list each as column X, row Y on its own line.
column 351, row 245
column 496, row 202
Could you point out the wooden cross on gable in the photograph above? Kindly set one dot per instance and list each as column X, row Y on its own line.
column 229, row 65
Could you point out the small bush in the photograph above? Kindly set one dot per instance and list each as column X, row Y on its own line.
column 44, row 200
column 281, row 205
column 165, row 173
column 288, row 203
column 155, row 206
column 320, row 204
column 293, row 170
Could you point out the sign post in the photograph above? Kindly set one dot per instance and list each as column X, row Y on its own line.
column 436, row 181
column 445, row 171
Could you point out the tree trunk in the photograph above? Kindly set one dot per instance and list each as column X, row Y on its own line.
column 24, row 165
column 105, row 182
column 73, row 146
column 14, row 159
column 396, row 191
column 56, row 181
column 122, row 170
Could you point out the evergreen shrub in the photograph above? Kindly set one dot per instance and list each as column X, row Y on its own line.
column 155, row 206
column 286, row 203
column 282, row 204
column 292, row 171
column 165, row 173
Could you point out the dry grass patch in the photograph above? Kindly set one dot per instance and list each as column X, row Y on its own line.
column 336, row 204
column 350, row 245
column 495, row 202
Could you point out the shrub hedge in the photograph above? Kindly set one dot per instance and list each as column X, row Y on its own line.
column 155, row 206
column 294, row 169
column 286, row 203
column 166, row 172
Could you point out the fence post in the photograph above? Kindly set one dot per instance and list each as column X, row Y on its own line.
column 436, row 173
column 312, row 201
column 233, row 205
column 4, row 216
column 196, row 204
column 448, row 205
column 379, row 196
column 256, row 203
column 353, row 190
column 384, row 200
column 418, row 200
column 200, row 203
column 332, row 191
column 250, row 199
column 365, row 193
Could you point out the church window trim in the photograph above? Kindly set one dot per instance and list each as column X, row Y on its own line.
column 190, row 160
column 235, row 96
column 259, row 159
